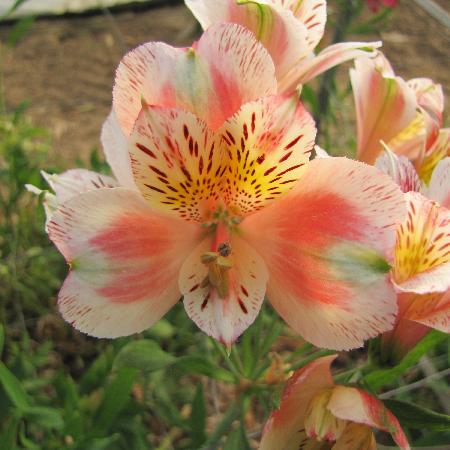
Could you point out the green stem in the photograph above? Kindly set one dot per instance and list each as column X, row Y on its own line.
column 231, row 366
column 308, row 359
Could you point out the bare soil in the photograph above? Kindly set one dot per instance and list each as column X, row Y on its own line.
column 65, row 67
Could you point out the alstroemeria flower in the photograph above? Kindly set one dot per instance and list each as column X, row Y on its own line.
column 406, row 115
column 315, row 414
column 421, row 271
column 228, row 208
column 290, row 30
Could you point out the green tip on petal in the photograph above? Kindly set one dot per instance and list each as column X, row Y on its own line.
column 355, row 262
column 190, row 52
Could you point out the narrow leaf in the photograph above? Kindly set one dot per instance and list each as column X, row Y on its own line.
column 197, row 420
column 116, row 396
column 145, row 355
column 414, row 416
column 13, row 387
column 200, row 365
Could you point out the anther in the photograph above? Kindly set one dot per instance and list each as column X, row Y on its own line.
column 224, row 249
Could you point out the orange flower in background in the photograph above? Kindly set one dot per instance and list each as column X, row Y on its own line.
column 290, row 30
column 223, row 207
column 316, row 414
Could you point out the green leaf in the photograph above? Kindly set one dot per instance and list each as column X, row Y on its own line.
column 200, row 365
column 115, row 398
column 9, row 436
column 50, row 418
column 145, row 355
column 19, row 30
column 197, row 420
column 26, row 443
column 104, row 443
column 237, row 440
column 416, row 417
column 13, row 387
column 382, row 377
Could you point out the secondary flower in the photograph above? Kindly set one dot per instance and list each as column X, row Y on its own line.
column 316, row 413
column 421, row 271
column 406, row 115
column 290, row 30
column 227, row 208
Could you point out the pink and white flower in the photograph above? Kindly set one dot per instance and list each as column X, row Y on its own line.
column 226, row 207
column 289, row 29
column 315, row 414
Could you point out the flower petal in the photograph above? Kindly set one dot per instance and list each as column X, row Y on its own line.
column 385, row 105
column 269, row 141
column 325, row 243
column 311, row 13
column 432, row 310
column 124, row 260
column 331, row 56
column 358, row 406
column 76, row 181
column 284, row 36
column 177, row 162
column 406, row 334
column 437, row 152
column 422, row 252
column 285, row 430
column 115, row 147
column 430, row 98
column 224, row 318
column 356, row 436
column 212, row 79
column 439, row 188
column 400, row 169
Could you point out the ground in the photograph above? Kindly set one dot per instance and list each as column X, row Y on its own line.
column 65, row 66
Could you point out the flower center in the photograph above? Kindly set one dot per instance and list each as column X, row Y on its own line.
column 320, row 423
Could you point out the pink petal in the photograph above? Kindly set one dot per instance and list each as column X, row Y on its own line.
column 177, row 162
column 224, row 318
column 430, row 98
column 400, row 169
column 320, row 152
column 124, row 261
column 439, row 188
column 284, row 429
column 385, row 105
column 404, row 337
column 212, row 79
column 268, row 142
column 432, row 310
column 285, row 37
column 324, row 243
column 331, row 56
column 437, row 152
column 312, row 14
column 422, row 253
column 358, row 406
column 115, row 147
column 76, row 181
